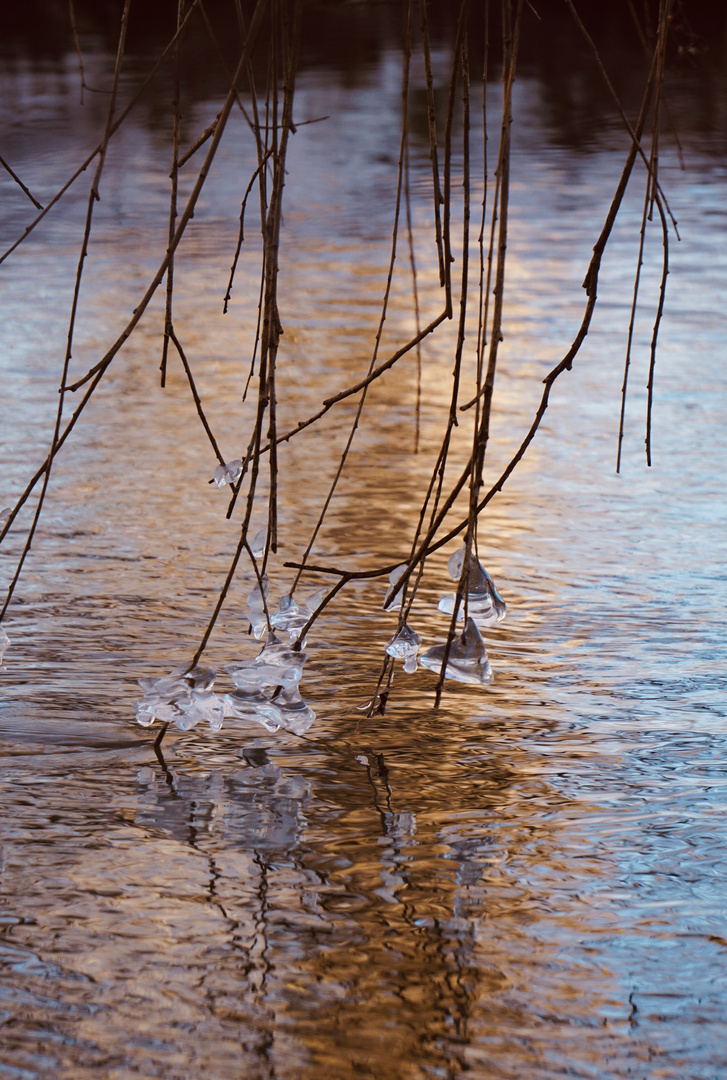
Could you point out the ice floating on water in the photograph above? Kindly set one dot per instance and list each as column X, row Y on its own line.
column 394, row 578
column 4, row 643
column 228, row 474
column 484, row 603
column 404, row 646
column 183, row 698
column 467, row 660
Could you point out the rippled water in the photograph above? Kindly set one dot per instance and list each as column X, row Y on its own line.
column 528, row 883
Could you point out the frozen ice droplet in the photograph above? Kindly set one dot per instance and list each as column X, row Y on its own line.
column 144, row 714
column 454, row 566
column 394, row 578
column 183, row 698
column 315, row 599
column 253, row 705
column 404, row 646
column 4, row 643
column 467, row 660
column 290, row 617
column 256, row 603
column 484, row 603
column 277, row 665
column 259, row 543
column 4, row 515
column 297, row 716
column 211, row 708
column 228, row 474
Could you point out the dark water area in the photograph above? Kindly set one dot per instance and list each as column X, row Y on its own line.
column 526, row 884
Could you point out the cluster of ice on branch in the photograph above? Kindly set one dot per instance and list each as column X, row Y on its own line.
column 228, row 474
column 266, row 686
column 481, row 605
column 183, row 698
column 266, row 692
column 266, row 689
column 467, row 661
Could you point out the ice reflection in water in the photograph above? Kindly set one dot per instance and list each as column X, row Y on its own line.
column 505, row 887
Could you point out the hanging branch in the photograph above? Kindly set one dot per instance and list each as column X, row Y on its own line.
column 174, row 177
column 96, row 373
column 429, row 545
column 387, row 291
column 208, row 131
column 432, row 122
column 650, row 195
column 460, row 330
column 511, row 39
column 241, row 234
column 93, row 198
column 415, row 298
column 635, row 137
column 195, row 395
column 657, row 324
column 271, row 325
column 79, row 54
column 20, row 184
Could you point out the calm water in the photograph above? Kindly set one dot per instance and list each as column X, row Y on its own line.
column 528, row 883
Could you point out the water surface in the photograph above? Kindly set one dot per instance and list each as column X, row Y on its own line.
column 528, row 883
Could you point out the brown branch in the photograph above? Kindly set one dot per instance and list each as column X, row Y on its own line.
column 195, row 395
column 20, row 184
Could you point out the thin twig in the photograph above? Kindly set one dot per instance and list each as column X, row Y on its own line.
column 79, row 54
column 20, row 184
column 195, row 395
column 174, row 177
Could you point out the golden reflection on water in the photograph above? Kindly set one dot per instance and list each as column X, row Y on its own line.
column 504, row 887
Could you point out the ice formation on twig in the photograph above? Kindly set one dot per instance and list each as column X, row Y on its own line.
column 266, row 692
column 4, row 515
column 394, row 578
column 483, row 603
column 259, row 543
column 4, row 643
column 404, row 646
column 183, row 698
column 292, row 616
column 228, row 474
column 266, row 689
column 467, row 661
